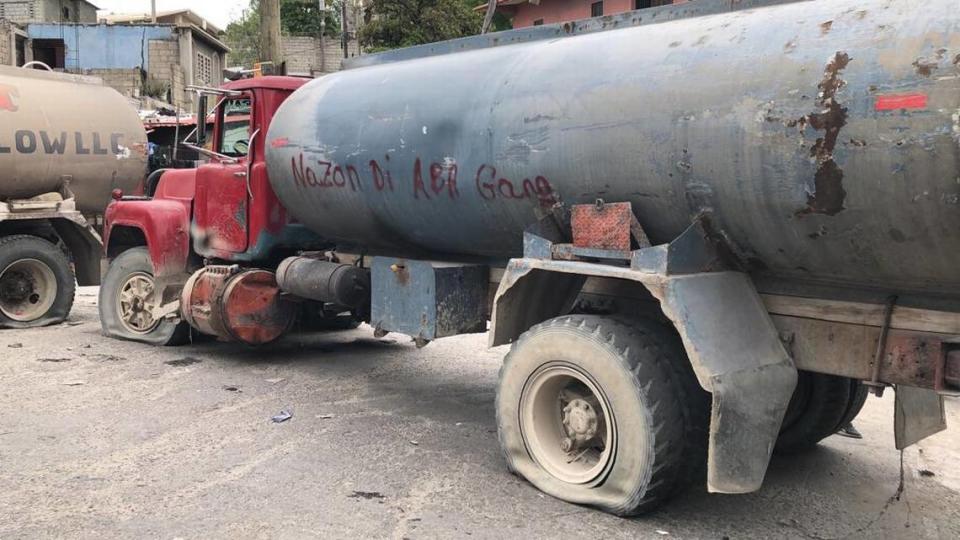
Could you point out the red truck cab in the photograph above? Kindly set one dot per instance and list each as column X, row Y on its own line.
column 222, row 212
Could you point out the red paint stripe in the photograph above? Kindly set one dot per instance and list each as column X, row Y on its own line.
column 901, row 101
column 277, row 143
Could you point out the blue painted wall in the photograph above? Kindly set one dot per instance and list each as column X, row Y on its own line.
column 103, row 46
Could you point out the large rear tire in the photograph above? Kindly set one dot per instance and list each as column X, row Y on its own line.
column 818, row 408
column 126, row 298
column 36, row 283
column 591, row 411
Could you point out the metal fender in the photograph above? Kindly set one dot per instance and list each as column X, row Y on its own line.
column 164, row 225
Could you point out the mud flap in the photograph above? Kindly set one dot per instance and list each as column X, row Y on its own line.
column 738, row 357
column 918, row 413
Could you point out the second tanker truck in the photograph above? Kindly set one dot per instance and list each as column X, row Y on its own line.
column 706, row 230
column 66, row 142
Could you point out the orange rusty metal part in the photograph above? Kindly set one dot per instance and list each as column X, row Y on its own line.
column 602, row 226
column 243, row 306
column 915, row 360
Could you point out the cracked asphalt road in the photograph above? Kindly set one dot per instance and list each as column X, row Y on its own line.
column 101, row 438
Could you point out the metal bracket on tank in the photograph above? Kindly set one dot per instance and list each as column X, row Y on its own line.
column 731, row 341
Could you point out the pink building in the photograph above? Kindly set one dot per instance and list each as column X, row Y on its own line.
column 526, row 13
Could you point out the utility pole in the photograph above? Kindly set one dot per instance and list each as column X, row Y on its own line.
column 270, row 46
column 344, row 29
column 323, row 31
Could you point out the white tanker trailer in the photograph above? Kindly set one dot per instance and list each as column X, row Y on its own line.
column 66, row 142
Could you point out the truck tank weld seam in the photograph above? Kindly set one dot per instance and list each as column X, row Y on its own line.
column 828, row 195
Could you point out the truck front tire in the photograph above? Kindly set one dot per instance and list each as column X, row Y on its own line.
column 126, row 298
column 590, row 411
column 36, row 283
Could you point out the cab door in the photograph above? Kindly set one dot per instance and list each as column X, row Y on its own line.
column 222, row 198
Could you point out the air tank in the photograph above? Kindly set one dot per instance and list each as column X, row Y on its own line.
column 823, row 137
column 57, row 128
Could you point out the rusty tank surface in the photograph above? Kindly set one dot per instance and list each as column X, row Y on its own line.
column 822, row 137
column 57, row 128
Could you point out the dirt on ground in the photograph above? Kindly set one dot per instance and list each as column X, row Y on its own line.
column 102, row 438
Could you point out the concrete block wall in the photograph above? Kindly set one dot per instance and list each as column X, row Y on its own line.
column 126, row 81
column 165, row 66
column 7, row 52
column 303, row 54
column 19, row 11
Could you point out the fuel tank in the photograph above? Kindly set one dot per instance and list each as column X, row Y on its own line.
column 823, row 137
column 57, row 128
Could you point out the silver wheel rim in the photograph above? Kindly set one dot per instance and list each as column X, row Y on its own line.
column 135, row 303
column 28, row 289
column 566, row 424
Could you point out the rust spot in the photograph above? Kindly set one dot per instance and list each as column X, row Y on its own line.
column 857, row 142
column 861, row 14
column 402, row 273
column 828, row 195
column 924, row 67
column 825, row 28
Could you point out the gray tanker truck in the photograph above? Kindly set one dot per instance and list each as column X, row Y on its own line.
column 705, row 230
column 66, row 142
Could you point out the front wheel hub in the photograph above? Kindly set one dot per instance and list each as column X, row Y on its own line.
column 134, row 303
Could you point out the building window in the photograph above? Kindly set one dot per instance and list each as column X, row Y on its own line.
column 204, row 69
column 643, row 4
column 538, row 22
column 596, row 9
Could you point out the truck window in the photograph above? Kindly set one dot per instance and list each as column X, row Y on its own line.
column 235, row 119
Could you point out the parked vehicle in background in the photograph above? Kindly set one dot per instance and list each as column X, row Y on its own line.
column 700, row 254
column 66, row 142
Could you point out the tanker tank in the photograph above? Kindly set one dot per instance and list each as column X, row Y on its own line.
column 821, row 136
column 66, row 142
column 57, row 127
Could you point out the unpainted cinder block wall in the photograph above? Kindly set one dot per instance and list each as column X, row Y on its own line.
column 7, row 54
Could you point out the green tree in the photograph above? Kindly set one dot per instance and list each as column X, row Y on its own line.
column 297, row 18
column 403, row 23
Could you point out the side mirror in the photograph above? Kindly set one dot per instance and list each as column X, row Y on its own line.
column 202, row 120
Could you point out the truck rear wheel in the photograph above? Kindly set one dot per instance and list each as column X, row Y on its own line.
column 127, row 298
column 821, row 404
column 590, row 411
column 36, row 283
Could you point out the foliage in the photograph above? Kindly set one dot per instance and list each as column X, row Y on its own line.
column 155, row 88
column 297, row 18
column 500, row 21
column 403, row 23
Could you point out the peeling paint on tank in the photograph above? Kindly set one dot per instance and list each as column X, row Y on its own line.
column 828, row 195
column 925, row 67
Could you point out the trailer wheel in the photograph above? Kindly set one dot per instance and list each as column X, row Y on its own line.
column 858, row 398
column 126, row 298
column 819, row 404
column 36, row 283
column 590, row 412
